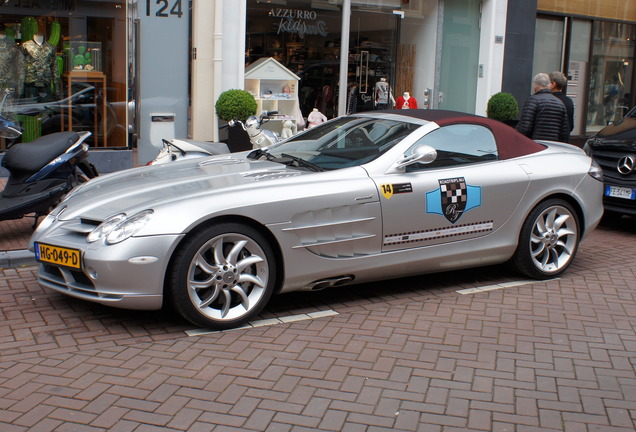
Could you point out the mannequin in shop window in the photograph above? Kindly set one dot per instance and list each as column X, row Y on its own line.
column 41, row 74
column 11, row 65
column 406, row 101
column 315, row 118
column 383, row 95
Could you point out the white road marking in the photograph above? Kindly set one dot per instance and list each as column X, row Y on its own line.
column 268, row 322
column 500, row 286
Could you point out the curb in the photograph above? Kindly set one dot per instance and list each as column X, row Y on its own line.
column 16, row 258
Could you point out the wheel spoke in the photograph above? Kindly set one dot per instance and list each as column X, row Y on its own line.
column 565, row 232
column 227, row 302
column 202, row 284
column 204, row 265
column 560, row 221
column 219, row 258
column 232, row 257
column 251, row 279
column 245, row 301
column 539, row 250
column 213, row 296
column 553, row 257
column 246, row 262
column 550, row 217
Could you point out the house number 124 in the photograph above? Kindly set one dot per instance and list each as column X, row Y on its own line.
column 161, row 8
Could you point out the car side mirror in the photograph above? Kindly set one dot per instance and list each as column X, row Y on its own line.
column 424, row 154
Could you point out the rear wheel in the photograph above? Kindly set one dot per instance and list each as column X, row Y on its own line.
column 549, row 240
column 223, row 276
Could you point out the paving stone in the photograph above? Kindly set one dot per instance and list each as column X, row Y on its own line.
column 399, row 355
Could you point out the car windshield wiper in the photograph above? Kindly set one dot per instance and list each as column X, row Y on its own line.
column 300, row 162
column 256, row 154
column 285, row 159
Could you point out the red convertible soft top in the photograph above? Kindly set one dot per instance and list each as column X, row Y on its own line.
column 510, row 143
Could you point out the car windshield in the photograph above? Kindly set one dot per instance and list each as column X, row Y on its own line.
column 340, row 143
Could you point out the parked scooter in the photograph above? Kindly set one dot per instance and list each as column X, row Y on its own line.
column 259, row 137
column 177, row 149
column 42, row 171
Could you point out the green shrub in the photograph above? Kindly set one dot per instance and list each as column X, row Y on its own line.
column 502, row 106
column 235, row 104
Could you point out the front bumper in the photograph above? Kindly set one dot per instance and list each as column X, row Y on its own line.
column 619, row 205
column 127, row 275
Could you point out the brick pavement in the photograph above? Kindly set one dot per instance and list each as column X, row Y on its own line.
column 408, row 355
column 15, row 234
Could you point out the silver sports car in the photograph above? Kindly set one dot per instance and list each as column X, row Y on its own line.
column 360, row 198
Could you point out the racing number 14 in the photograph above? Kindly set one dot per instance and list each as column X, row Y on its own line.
column 162, row 8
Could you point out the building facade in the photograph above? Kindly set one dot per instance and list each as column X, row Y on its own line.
column 136, row 72
column 592, row 42
column 446, row 54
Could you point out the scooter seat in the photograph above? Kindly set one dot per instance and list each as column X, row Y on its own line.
column 34, row 155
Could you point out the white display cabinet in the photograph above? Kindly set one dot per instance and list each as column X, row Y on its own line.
column 275, row 88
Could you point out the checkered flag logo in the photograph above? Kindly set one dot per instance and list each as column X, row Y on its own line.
column 453, row 194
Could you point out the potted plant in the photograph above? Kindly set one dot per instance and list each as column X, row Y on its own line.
column 503, row 107
column 236, row 105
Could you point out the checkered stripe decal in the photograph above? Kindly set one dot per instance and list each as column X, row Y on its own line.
column 438, row 233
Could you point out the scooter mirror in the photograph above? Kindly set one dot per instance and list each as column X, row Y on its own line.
column 251, row 122
column 8, row 129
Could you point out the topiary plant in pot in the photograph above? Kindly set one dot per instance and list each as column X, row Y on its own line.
column 503, row 107
column 236, row 104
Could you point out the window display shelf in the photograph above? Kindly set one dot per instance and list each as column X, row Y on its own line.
column 98, row 81
column 267, row 80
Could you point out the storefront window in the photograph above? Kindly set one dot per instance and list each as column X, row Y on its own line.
column 65, row 65
column 304, row 39
column 611, row 73
column 304, row 36
column 548, row 46
column 372, row 60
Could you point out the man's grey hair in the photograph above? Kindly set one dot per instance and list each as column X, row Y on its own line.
column 541, row 80
column 559, row 79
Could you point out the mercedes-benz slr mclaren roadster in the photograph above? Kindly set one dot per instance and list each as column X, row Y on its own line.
column 360, row 198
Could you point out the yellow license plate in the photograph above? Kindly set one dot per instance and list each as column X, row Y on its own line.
column 58, row 255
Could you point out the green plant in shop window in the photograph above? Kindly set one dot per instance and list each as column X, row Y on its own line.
column 503, row 107
column 235, row 104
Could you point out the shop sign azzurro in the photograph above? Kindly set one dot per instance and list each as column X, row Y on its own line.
column 65, row 5
column 299, row 22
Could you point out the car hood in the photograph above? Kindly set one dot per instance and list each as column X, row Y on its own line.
column 147, row 187
column 624, row 130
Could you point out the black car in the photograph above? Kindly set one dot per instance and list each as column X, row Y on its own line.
column 614, row 148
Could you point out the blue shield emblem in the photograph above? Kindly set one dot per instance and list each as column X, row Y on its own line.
column 453, row 198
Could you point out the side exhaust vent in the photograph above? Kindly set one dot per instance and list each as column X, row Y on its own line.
column 328, row 283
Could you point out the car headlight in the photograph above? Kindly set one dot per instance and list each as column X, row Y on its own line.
column 119, row 227
column 596, row 171
column 51, row 217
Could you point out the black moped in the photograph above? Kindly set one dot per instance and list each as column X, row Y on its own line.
column 42, row 171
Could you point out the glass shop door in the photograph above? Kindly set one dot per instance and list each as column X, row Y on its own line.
column 372, row 58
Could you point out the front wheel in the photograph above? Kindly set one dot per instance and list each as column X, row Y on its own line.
column 223, row 276
column 549, row 240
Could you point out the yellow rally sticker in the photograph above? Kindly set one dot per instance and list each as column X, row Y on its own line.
column 387, row 190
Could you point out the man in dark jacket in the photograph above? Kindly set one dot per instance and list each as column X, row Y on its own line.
column 544, row 116
column 557, row 84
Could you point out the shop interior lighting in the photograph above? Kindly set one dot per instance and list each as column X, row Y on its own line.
column 274, row 2
column 316, row 4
